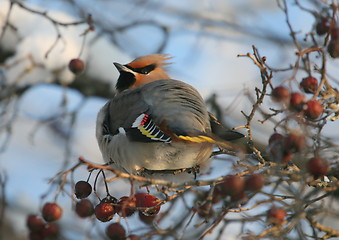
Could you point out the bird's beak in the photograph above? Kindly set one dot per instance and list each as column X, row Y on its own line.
column 122, row 68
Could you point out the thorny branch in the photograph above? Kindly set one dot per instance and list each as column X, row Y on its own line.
column 55, row 23
column 266, row 81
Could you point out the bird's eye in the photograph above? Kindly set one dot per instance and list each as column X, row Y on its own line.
column 146, row 70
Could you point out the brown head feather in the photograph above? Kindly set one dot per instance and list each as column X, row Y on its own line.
column 131, row 75
column 157, row 59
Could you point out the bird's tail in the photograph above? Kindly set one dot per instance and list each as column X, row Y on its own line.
column 208, row 139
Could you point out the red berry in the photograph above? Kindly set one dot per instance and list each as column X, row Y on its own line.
column 241, row 197
column 254, row 182
column 333, row 48
column 309, row 84
column 148, row 201
column 232, row 185
column 276, row 215
column 275, row 137
column 146, row 219
column 82, row 189
column 280, row 94
column 51, row 212
column 297, row 101
column 286, row 157
column 294, row 143
column 115, row 231
column 277, row 149
column 84, row 208
column 323, row 26
column 313, row 109
column 50, row 230
column 125, row 207
column 104, row 211
column 317, row 166
column 76, row 65
column 35, row 223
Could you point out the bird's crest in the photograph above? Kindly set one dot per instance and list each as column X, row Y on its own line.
column 157, row 59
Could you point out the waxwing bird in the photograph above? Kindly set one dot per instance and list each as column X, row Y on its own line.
column 155, row 126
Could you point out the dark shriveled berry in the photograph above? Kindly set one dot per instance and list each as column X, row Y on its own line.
column 333, row 48
column 317, row 166
column 84, row 208
column 36, row 236
column 115, row 231
column 323, row 25
column 333, row 45
column 277, row 149
column 275, row 137
column 35, row 223
column 335, row 33
column 82, row 189
column 294, row 143
column 51, row 230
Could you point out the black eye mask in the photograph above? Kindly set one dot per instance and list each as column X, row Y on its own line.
column 143, row 70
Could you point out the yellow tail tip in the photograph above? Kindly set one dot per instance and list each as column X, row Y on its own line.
column 198, row 139
column 206, row 139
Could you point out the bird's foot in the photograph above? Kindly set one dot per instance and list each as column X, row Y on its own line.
column 192, row 170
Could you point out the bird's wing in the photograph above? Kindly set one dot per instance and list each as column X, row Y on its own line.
column 144, row 129
column 127, row 113
column 159, row 111
column 178, row 106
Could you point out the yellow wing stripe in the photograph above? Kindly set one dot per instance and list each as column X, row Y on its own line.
column 145, row 132
column 198, row 139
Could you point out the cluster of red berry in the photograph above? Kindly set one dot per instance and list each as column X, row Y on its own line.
column 147, row 205
column 282, row 148
column 44, row 226
column 297, row 102
column 236, row 188
column 233, row 188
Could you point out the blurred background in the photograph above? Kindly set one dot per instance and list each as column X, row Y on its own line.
column 48, row 114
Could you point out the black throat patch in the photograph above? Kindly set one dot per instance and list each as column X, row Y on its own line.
column 125, row 80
